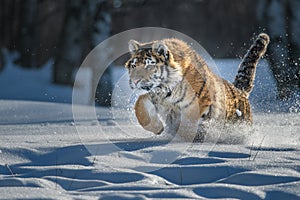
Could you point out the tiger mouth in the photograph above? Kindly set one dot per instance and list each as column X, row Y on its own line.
column 147, row 87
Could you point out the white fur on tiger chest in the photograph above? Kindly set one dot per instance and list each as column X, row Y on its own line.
column 182, row 122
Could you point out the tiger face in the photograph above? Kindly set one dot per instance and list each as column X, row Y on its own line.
column 148, row 66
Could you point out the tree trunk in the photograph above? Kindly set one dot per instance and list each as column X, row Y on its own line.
column 70, row 49
column 101, row 31
column 87, row 23
column 28, row 40
column 1, row 60
column 294, row 41
column 281, row 19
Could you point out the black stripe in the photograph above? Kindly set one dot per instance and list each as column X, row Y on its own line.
column 248, row 109
column 232, row 91
column 207, row 115
column 152, row 79
column 249, row 62
column 235, row 106
column 201, row 89
column 182, row 94
column 190, row 103
column 242, row 108
column 161, row 71
column 209, row 112
column 167, row 70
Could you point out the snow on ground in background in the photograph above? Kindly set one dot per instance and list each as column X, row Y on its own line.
column 18, row 83
column 43, row 156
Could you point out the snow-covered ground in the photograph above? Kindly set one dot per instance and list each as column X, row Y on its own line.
column 18, row 83
column 46, row 154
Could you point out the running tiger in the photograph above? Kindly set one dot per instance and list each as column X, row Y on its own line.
column 182, row 91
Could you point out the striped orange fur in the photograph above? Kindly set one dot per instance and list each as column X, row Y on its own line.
column 183, row 92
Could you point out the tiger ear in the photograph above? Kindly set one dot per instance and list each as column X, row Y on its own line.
column 160, row 48
column 133, row 46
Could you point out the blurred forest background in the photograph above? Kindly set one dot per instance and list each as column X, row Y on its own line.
column 67, row 30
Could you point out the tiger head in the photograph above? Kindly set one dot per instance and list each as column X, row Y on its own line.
column 150, row 65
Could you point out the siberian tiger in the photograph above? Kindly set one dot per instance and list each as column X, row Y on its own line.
column 182, row 91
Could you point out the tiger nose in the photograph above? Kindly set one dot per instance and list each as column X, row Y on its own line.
column 136, row 81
